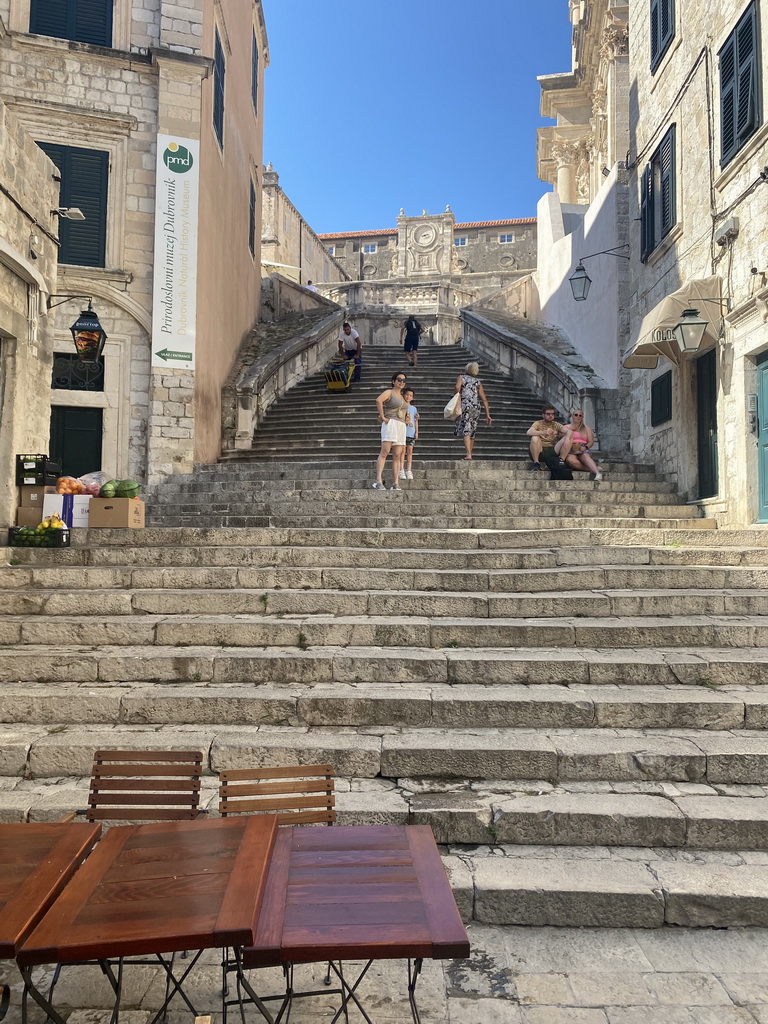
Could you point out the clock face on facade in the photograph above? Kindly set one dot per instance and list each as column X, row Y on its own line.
column 424, row 235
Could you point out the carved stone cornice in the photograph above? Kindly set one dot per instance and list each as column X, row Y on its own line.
column 614, row 43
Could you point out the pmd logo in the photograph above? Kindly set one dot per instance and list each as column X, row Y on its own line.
column 177, row 158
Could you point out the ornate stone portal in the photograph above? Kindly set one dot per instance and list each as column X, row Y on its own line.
column 425, row 245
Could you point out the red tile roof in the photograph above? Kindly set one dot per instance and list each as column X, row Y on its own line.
column 393, row 231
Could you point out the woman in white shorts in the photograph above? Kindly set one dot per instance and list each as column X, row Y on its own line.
column 393, row 413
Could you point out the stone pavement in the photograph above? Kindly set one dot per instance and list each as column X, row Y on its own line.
column 514, row 976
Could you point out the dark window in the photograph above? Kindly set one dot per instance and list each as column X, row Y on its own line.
column 219, row 70
column 662, row 29
column 84, row 179
column 255, row 74
column 739, row 86
column 657, row 198
column 661, row 399
column 85, row 21
column 252, row 219
column 70, row 373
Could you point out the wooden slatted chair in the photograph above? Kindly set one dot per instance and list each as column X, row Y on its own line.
column 299, row 795
column 145, row 785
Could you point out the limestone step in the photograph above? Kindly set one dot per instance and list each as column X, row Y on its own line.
column 388, row 630
column 421, row 705
column 35, row 583
column 552, row 755
column 708, row 667
column 621, row 888
column 385, row 600
column 395, row 519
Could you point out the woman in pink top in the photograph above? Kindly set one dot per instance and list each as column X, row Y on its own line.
column 573, row 447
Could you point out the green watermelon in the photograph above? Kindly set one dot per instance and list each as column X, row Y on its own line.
column 127, row 489
column 109, row 489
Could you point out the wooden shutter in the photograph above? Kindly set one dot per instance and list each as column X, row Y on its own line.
column 50, row 18
column 667, row 182
column 252, row 219
column 646, row 214
column 746, row 87
column 219, row 71
column 655, row 32
column 728, row 100
column 93, row 21
column 662, row 28
column 84, row 184
column 84, row 21
column 255, row 74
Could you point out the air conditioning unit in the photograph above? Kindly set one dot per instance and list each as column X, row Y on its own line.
column 727, row 231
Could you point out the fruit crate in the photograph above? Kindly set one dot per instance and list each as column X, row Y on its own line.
column 36, row 470
column 31, row 537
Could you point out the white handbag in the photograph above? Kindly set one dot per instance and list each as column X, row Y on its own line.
column 452, row 411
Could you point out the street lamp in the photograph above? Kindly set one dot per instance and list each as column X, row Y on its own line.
column 580, row 282
column 88, row 335
column 689, row 333
column 579, row 279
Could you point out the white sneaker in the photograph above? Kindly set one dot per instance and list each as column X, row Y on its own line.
column 379, row 487
column 598, row 475
column 408, row 475
column 401, row 475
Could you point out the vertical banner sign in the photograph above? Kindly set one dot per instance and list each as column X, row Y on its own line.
column 177, row 187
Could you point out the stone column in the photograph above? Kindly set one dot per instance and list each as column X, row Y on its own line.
column 565, row 155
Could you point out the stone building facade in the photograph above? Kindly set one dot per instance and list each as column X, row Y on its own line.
column 583, row 155
column 289, row 246
column 28, row 254
column 699, row 149
column 102, row 88
column 482, row 247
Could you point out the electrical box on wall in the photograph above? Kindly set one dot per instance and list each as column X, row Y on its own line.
column 751, row 403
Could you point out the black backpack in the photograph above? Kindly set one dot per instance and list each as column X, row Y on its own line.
column 558, row 470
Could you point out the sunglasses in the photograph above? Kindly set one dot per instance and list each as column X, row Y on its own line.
column 403, row 379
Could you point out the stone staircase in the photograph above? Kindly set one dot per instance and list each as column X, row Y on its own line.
column 310, row 422
column 565, row 680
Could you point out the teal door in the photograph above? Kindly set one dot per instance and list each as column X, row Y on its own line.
column 76, row 439
column 706, row 423
column 762, row 436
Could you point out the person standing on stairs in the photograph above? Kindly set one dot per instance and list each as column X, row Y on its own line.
column 411, row 435
column 393, row 413
column 472, row 394
column 351, row 347
column 412, row 331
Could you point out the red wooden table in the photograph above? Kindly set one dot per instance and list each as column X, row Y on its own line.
column 36, row 862
column 157, row 889
column 357, row 892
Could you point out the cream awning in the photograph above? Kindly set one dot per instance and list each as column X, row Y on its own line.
column 656, row 337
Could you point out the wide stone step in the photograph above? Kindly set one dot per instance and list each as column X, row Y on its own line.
column 388, row 630
column 630, row 888
column 395, row 519
column 420, row 705
column 552, row 756
column 30, row 582
column 656, row 666
column 383, row 601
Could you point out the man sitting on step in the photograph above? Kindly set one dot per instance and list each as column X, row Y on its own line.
column 543, row 434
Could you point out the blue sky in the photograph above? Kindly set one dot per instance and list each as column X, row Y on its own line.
column 371, row 105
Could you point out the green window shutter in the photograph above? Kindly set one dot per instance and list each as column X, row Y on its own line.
column 662, row 29
column 667, row 183
column 84, row 21
column 746, row 87
column 728, row 100
column 655, row 32
column 255, row 74
column 646, row 214
column 219, row 71
column 252, row 219
column 84, row 184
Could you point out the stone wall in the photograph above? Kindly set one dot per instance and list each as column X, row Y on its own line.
column 684, row 91
column 27, row 274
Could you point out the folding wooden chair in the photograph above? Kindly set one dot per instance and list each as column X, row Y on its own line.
column 145, row 785
column 299, row 795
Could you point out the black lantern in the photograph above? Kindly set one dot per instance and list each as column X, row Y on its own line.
column 690, row 331
column 580, row 283
column 89, row 336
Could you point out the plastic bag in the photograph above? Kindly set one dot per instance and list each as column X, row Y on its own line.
column 452, row 411
column 89, row 484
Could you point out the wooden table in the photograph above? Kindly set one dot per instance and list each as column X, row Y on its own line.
column 157, row 889
column 357, row 892
column 36, row 862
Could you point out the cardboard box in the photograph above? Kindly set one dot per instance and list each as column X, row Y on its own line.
column 116, row 512
column 29, row 516
column 73, row 508
column 32, row 497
